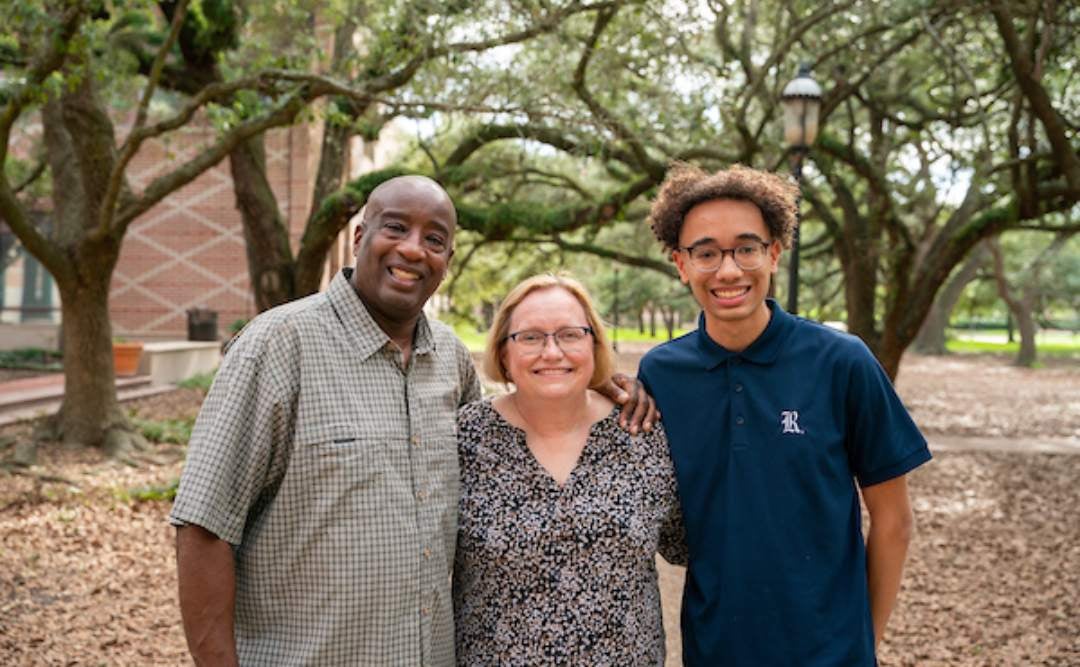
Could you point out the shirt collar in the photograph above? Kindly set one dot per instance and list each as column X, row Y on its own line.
column 367, row 337
column 765, row 348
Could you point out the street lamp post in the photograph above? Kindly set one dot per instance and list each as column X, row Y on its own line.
column 802, row 102
column 615, row 312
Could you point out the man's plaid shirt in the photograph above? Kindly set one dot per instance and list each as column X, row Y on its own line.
column 333, row 471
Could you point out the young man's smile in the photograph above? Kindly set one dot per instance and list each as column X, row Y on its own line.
column 732, row 298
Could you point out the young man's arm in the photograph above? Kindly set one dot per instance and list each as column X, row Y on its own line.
column 891, row 524
column 207, row 577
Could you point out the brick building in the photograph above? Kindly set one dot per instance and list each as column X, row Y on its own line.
column 188, row 251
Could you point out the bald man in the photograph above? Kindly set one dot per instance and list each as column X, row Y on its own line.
column 317, row 513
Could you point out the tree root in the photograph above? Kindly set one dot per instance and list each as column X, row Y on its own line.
column 48, row 429
column 14, row 468
column 23, row 453
column 123, row 443
column 118, row 438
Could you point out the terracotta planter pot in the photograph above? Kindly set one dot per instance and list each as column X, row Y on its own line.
column 126, row 358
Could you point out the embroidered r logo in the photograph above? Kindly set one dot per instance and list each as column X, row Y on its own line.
column 789, row 419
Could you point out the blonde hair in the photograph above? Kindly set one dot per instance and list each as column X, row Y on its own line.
column 603, row 357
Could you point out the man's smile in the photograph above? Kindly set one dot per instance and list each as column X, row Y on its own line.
column 404, row 275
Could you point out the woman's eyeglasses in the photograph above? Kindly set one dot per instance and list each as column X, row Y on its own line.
column 566, row 337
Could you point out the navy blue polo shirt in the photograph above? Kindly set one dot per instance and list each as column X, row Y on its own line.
column 768, row 444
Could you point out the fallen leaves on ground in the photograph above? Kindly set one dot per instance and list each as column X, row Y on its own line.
column 87, row 572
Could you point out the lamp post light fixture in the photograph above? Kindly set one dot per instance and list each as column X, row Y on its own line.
column 802, row 103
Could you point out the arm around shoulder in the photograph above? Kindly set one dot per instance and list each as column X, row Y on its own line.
column 207, row 590
column 471, row 389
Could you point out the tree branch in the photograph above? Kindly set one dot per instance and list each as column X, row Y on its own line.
column 50, row 61
column 548, row 135
column 31, row 177
column 159, row 188
column 781, row 51
column 331, row 217
column 546, row 24
column 135, row 139
column 841, row 92
column 1041, row 104
column 659, row 266
column 1061, row 229
column 644, row 162
column 31, row 237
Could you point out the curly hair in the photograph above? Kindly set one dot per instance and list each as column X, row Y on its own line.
column 686, row 186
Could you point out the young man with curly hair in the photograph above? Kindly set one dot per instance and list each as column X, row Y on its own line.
column 775, row 424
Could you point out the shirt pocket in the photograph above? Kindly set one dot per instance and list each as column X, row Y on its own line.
column 343, row 456
column 438, row 472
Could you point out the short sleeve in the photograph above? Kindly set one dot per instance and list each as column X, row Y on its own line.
column 237, row 446
column 673, row 534
column 882, row 440
column 643, row 377
column 672, row 542
column 470, row 380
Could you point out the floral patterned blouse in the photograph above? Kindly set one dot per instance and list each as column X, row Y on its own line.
column 562, row 575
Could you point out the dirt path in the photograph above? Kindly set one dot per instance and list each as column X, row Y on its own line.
column 87, row 574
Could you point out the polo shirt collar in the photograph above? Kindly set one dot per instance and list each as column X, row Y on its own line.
column 366, row 335
column 763, row 351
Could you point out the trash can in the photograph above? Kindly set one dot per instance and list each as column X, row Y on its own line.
column 202, row 324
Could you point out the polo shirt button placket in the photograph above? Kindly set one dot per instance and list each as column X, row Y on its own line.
column 738, row 406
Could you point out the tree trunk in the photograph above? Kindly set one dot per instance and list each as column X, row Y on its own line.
column 931, row 338
column 669, row 321
column 266, row 236
column 90, row 414
column 652, row 321
column 1022, row 307
column 1025, row 322
column 860, row 294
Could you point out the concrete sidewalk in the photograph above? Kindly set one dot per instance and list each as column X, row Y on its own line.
column 41, row 395
column 967, row 443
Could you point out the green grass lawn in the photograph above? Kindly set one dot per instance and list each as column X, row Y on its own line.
column 1049, row 343
column 473, row 339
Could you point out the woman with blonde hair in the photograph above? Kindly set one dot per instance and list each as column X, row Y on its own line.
column 562, row 512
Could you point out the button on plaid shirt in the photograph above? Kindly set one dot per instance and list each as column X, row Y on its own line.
column 333, row 471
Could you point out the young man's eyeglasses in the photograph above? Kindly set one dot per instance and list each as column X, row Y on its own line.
column 708, row 257
column 566, row 338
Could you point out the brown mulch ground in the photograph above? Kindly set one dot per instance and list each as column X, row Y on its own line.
column 87, row 572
